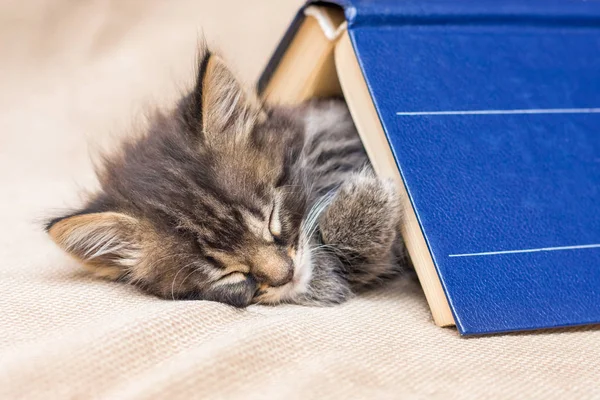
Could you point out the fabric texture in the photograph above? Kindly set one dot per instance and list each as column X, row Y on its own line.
column 77, row 75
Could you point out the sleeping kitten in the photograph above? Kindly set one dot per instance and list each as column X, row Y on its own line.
column 231, row 200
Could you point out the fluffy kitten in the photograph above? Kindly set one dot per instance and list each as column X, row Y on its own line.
column 231, row 200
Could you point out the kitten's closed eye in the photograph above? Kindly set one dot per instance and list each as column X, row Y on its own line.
column 232, row 278
column 275, row 222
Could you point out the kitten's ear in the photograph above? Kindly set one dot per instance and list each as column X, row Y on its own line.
column 106, row 242
column 226, row 108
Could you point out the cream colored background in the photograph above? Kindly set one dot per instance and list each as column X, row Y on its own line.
column 73, row 75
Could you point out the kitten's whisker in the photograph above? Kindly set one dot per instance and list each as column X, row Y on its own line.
column 187, row 276
column 173, row 284
column 310, row 220
column 175, row 278
column 309, row 227
column 337, row 252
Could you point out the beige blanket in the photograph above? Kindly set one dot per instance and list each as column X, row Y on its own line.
column 74, row 75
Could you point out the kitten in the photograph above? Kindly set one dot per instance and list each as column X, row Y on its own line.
column 231, row 200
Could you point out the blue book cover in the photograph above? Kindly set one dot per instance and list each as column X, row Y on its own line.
column 492, row 112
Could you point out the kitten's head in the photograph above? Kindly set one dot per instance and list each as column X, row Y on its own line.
column 206, row 205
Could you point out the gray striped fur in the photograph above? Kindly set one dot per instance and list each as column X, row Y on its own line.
column 228, row 199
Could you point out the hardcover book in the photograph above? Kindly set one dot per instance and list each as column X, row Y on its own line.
column 487, row 115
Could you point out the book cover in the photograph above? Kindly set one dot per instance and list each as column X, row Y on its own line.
column 492, row 113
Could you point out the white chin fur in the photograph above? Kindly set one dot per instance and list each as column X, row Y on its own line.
column 299, row 284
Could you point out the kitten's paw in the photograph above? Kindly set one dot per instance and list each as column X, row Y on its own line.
column 364, row 216
column 363, row 225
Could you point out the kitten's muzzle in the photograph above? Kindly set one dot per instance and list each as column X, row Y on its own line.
column 279, row 278
column 272, row 267
column 279, row 282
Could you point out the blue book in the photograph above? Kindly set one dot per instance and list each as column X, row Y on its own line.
column 487, row 114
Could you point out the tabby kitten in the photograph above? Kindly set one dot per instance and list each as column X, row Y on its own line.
column 231, row 200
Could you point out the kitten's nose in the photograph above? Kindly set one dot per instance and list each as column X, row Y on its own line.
column 272, row 267
column 287, row 278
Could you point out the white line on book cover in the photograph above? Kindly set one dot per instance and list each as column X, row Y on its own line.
column 560, row 248
column 504, row 112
